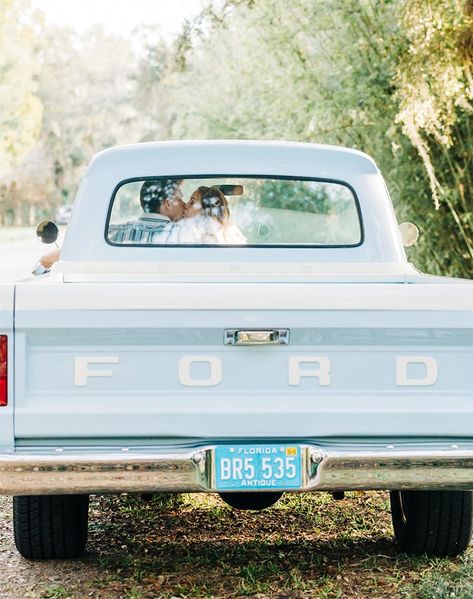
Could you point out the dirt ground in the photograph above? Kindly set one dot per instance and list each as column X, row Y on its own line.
column 196, row 546
column 20, row 578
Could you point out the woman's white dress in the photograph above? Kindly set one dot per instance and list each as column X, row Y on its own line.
column 203, row 229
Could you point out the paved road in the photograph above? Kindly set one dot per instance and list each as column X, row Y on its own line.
column 17, row 258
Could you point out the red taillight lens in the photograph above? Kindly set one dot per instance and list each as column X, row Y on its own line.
column 3, row 370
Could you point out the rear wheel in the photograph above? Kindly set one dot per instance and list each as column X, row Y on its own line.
column 435, row 523
column 50, row 526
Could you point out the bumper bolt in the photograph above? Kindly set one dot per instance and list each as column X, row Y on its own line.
column 316, row 457
column 198, row 458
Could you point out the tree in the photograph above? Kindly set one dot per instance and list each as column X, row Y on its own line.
column 20, row 107
column 152, row 98
column 86, row 87
column 390, row 77
column 87, row 91
column 434, row 82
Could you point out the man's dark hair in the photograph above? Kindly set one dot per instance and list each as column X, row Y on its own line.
column 155, row 191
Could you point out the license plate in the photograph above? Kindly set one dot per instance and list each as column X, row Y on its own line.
column 257, row 467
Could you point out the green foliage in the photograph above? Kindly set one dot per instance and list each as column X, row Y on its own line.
column 56, row 592
column 87, row 96
column 152, row 95
column 435, row 92
column 295, row 195
column 390, row 77
column 86, row 88
column 20, row 108
column 393, row 78
column 458, row 585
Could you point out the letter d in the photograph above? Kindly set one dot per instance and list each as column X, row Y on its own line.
column 431, row 371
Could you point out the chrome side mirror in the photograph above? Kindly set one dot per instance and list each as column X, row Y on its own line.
column 409, row 234
column 47, row 231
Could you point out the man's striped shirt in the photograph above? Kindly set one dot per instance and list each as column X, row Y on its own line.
column 148, row 228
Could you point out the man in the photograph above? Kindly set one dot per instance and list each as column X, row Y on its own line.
column 162, row 204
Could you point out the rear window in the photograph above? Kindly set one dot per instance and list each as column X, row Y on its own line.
column 234, row 211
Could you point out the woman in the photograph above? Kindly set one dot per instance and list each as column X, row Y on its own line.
column 207, row 220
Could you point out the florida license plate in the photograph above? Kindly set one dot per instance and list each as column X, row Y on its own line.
column 257, row 467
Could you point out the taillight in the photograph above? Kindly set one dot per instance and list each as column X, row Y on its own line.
column 3, row 370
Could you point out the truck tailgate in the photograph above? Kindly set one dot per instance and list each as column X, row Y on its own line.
column 149, row 360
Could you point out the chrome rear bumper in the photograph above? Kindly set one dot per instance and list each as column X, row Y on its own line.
column 325, row 468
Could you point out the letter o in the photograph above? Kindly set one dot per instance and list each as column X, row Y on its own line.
column 186, row 379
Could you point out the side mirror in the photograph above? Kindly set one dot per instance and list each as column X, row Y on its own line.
column 47, row 231
column 409, row 234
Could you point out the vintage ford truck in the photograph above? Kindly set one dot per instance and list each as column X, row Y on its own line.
column 277, row 340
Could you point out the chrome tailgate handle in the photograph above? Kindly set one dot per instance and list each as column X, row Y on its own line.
column 256, row 337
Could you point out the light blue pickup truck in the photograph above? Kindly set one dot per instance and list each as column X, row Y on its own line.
column 237, row 318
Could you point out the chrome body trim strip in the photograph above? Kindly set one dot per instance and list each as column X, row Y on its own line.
column 325, row 469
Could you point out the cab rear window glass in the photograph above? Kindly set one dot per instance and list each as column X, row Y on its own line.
column 234, row 211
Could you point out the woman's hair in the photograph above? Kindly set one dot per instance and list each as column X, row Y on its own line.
column 214, row 204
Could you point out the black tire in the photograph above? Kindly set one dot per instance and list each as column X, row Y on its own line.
column 251, row 501
column 50, row 526
column 433, row 523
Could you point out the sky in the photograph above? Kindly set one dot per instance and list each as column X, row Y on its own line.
column 119, row 16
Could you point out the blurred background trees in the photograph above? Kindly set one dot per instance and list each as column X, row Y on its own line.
column 20, row 107
column 393, row 78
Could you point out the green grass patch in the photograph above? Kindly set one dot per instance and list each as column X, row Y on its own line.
column 304, row 546
column 447, row 580
column 57, row 592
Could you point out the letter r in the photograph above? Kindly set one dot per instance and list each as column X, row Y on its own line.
column 322, row 372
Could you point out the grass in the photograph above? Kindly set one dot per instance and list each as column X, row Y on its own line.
column 457, row 585
column 304, row 546
column 56, row 592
